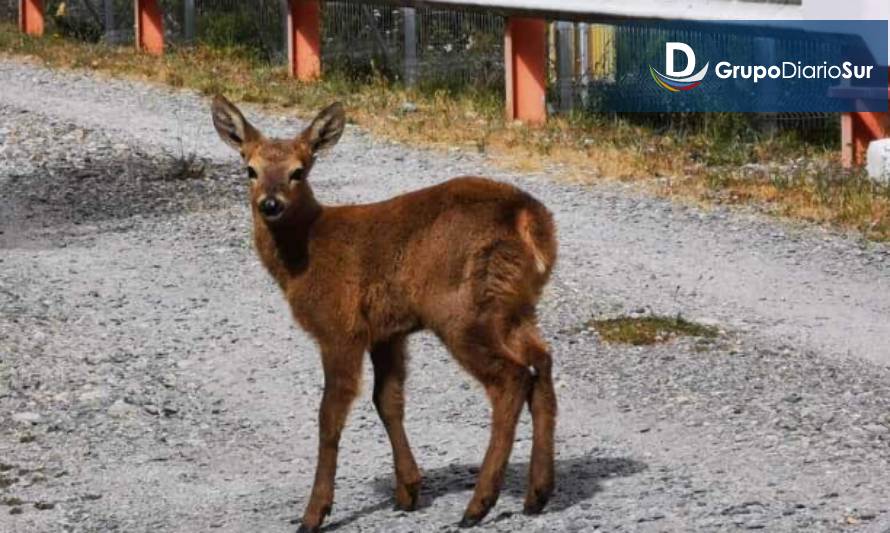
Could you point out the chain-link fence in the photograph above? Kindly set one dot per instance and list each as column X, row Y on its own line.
column 443, row 47
column 424, row 45
column 9, row 11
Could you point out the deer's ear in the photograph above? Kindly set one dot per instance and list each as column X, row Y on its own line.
column 326, row 128
column 231, row 125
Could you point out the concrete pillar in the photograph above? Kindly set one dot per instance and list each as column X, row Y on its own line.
column 304, row 39
column 858, row 130
column 149, row 26
column 31, row 17
column 525, row 60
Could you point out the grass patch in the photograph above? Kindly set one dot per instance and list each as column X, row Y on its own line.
column 811, row 190
column 640, row 331
column 716, row 159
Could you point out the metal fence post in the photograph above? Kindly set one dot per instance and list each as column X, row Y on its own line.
column 583, row 44
column 765, row 54
column 189, row 20
column 284, row 6
column 564, row 64
column 410, row 62
column 108, row 14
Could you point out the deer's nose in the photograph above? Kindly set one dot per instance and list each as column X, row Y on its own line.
column 270, row 206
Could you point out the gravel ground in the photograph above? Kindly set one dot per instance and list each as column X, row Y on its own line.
column 151, row 378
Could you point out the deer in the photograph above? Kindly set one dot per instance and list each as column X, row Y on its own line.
column 466, row 259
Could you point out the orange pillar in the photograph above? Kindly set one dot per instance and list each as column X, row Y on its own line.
column 31, row 17
column 858, row 130
column 847, row 143
column 149, row 27
column 304, row 39
column 525, row 60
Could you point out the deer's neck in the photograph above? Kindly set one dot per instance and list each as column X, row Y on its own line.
column 283, row 247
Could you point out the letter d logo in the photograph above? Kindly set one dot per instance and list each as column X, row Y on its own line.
column 676, row 81
column 671, row 50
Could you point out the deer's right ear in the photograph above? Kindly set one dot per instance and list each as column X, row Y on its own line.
column 231, row 125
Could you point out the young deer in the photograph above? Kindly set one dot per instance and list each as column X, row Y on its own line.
column 466, row 259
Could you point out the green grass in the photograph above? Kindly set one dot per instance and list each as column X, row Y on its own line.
column 640, row 331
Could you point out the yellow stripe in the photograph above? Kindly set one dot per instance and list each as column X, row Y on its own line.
column 663, row 84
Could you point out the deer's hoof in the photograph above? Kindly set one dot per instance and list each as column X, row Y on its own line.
column 304, row 528
column 469, row 521
column 407, row 497
column 536, row 501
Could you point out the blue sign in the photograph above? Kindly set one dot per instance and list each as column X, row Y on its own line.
column 748, row 66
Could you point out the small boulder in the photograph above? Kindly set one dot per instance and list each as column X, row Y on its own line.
column 878, row 161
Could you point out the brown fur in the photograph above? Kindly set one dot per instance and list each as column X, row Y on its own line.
column 466, row 259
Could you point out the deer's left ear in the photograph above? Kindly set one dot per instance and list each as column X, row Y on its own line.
column 326, row 128
column 231, row 125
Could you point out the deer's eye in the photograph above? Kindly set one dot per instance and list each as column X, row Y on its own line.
column 251, row 173
column 296, row 174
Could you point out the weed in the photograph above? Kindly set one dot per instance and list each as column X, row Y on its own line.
column 649, row 329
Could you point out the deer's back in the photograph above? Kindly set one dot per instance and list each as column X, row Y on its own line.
column 417, row 259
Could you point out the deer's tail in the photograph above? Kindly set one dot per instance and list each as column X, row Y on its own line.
column 536, row 228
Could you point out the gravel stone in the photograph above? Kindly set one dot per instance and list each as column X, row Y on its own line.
column 121, row 409
column 27, row 418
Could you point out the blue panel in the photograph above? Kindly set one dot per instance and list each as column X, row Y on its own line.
column 818, row 66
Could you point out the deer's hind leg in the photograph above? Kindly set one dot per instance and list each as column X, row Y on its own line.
column 389, row 360
column 506, row 385
column 542, row 405
column 503, row 293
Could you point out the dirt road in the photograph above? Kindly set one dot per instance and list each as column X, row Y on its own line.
column 151, row 378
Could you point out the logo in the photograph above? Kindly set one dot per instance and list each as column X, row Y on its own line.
column 676, row 81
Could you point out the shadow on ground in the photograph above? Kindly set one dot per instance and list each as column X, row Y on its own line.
column 577, row 478
column 62, row 198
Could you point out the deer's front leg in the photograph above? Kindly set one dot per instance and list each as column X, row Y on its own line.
column 342, row 369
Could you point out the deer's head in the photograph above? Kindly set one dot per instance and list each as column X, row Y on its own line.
column 277, row 168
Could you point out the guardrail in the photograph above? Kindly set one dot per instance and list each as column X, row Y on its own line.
column 525, row 39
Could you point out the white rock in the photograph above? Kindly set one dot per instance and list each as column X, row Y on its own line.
column 121, row 409
column 26, row 418
column 94, row 396
column 878, row 161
